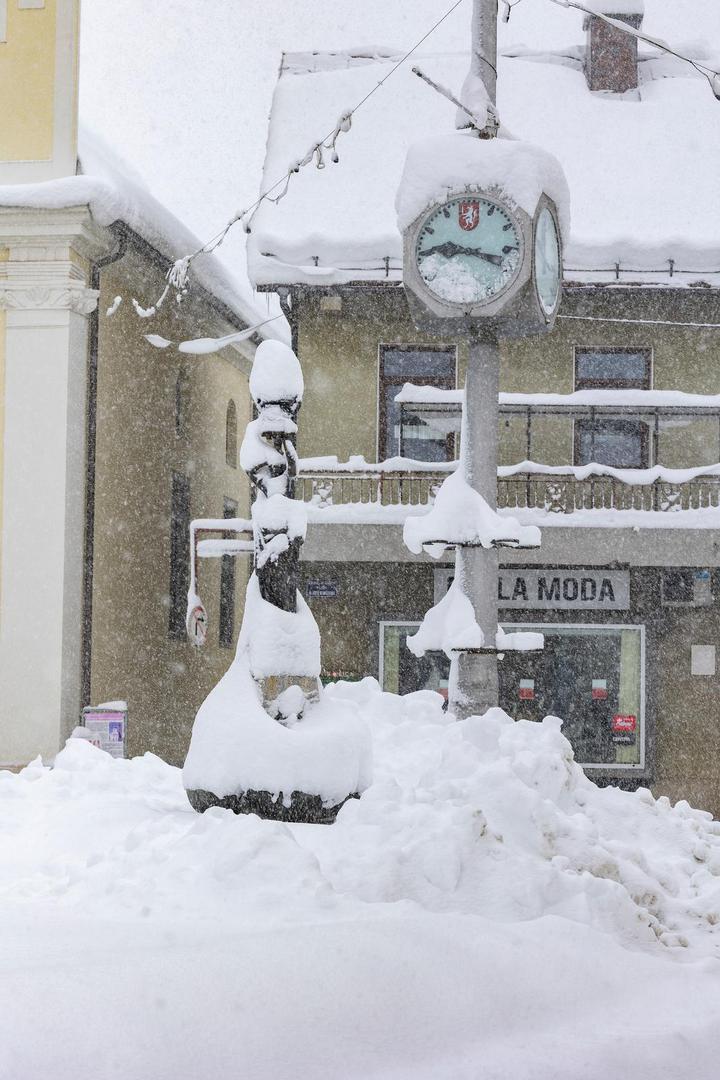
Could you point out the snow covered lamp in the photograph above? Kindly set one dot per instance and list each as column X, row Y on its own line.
column 266, row 740
column 482, row 223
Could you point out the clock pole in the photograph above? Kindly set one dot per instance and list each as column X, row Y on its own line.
column 484, row 220
column 474, row 680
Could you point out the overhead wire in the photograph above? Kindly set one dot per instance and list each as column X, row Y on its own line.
column 177, row 275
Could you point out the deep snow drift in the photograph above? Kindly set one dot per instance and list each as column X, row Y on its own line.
column 483, row 911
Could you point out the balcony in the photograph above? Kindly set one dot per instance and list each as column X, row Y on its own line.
column 649, row 427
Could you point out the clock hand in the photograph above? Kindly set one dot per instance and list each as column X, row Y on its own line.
column 449, row 249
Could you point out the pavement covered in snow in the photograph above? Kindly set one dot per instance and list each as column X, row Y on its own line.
column 483, row 911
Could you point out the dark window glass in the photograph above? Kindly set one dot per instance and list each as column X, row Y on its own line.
column 621, row 444
column 231, row 435
column 179, row 554
column 181, row 403
column 612, row 369
column 424, row 367
column 227, row 585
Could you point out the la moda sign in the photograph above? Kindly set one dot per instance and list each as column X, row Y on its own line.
column 545, row 590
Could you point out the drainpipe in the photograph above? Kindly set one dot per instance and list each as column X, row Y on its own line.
column 120, row 233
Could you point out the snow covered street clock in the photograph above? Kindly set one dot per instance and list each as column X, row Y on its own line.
column 481, row 223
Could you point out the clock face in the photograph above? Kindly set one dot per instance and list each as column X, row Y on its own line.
column 468, row 250
column 547, row 261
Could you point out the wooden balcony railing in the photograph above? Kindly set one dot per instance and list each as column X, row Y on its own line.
column 555, row 492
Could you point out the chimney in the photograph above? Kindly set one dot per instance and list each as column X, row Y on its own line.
column 611, row 55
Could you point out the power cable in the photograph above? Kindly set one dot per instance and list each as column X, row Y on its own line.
column 177, row 275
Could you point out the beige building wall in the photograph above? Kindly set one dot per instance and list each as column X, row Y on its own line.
column 133, row 657
column 339, row 353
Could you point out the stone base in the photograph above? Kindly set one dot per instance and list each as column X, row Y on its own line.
column 306, row 808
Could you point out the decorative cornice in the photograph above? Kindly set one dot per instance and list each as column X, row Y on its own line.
column 76, row 298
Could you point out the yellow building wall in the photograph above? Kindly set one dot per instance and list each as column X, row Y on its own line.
column 27, row 83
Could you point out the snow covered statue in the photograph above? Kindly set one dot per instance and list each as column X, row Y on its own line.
column 265, row 740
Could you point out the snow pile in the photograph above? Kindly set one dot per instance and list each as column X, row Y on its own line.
column 460, row 515
column 474, row 913
column 276, row 374
column 237, row 746
column 448, row 626
column 518, row 172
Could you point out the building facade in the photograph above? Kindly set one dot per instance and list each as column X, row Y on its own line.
column 108, row 446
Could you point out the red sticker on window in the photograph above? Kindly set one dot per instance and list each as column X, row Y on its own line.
column 624, row 723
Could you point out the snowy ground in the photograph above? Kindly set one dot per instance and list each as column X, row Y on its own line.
column 483, row 912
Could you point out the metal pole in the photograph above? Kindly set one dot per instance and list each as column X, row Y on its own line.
column 484, row 45
column 474, row 675
column 483, row 67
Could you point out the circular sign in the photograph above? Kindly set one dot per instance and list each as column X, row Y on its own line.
column 547, row 261
column 196, row 625
column 469, row 250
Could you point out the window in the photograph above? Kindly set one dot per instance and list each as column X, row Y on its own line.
column 424, row 366
column 613, row 369
column 592, row 676
column 3, row 20
column 181, row 404
column 623, row 444
column 227, row 585
column 179, row 554
column 231, row 436
column 620, row 443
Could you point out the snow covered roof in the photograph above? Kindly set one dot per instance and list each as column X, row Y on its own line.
column 642, row 167
column 113, row 193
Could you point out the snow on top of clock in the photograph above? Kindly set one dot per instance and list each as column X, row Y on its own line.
column 516, row 172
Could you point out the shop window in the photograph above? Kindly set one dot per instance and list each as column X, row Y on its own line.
column 424, row 366
column 613, row 369
column 231, row 435
column 226, row 628
column 686, row 587
column 179, row 554
column 590, row 676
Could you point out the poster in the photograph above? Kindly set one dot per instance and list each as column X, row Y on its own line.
column 107, row 729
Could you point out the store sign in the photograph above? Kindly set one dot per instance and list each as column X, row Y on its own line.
column 322, row 590
column 624, row 729
column 107, row 729
column 545, row 590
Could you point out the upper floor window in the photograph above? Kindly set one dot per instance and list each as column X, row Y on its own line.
column 613, row 369
column 424, row 365
column 620, row 442
column 231, row 435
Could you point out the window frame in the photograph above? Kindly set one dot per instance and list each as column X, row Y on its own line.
column 448, row 382
column 598, row 421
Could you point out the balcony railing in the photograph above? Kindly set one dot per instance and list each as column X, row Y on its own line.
column 527, row 486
